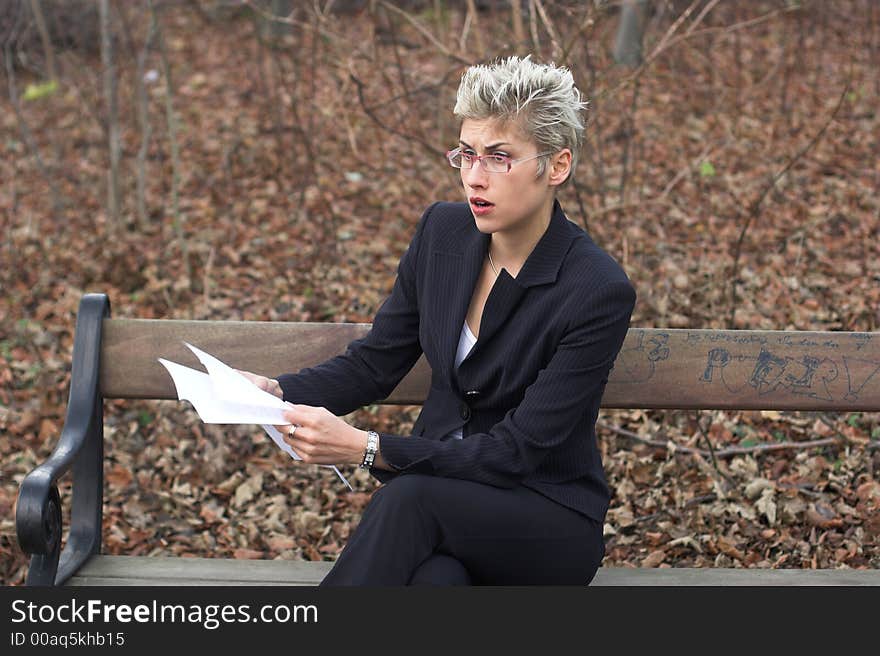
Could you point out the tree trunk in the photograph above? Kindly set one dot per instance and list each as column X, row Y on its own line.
column 519, row 32
column 112, row 113
column 48, row 50
column 628, row 43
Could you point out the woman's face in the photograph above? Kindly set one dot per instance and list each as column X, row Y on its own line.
column 506, row 202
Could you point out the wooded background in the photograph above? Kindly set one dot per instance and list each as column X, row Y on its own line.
column 269, row 161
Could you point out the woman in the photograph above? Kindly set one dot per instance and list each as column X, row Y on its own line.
column 520, row 316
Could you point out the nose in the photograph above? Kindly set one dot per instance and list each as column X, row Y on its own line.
column 476, row 176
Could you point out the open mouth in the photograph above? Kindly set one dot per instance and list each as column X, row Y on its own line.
column 480, row 202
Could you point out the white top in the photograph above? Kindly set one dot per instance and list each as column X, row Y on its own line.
column 466, row 342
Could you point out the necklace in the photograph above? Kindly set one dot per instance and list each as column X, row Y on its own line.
column 491, row 263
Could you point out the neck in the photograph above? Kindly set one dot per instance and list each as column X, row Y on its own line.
column 511, row 248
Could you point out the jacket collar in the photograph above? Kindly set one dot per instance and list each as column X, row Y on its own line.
column 540, row 268
column 543, row 263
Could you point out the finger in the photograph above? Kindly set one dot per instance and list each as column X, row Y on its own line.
column 291, row 416
column 304, row 450
column 259, row 381
column 298, row 414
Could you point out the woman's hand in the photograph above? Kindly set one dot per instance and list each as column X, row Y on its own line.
column 266, row 384
column 320, row 437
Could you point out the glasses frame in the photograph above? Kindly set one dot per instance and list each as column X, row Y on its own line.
column 480, row 159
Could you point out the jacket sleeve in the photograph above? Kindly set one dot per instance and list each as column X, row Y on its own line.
column 553, row 405
column 372, row 366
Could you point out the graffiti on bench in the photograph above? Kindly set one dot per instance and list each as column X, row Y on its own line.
column 817, row 369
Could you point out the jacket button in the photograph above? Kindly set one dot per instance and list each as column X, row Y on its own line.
column 465, row 411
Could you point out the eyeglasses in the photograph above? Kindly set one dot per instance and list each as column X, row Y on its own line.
column 494, row 163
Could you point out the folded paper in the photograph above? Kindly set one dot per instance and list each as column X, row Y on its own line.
column 224, row 396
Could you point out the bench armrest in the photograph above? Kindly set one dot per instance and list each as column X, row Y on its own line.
column 38, row 511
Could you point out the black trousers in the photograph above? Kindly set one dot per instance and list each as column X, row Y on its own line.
column 432, row 530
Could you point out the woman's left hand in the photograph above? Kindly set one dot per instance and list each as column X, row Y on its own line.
column 319, row 437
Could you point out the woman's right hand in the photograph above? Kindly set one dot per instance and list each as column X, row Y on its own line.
column 266, row 384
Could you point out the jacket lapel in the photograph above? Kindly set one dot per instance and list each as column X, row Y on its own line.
column 504, row 297
column 455, row 268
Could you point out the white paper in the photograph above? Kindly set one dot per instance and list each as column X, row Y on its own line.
column 224, row 396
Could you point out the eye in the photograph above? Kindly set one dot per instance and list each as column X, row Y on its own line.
column 468, row 154
column 500, row 158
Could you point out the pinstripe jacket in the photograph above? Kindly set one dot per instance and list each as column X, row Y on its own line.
column 527, row 395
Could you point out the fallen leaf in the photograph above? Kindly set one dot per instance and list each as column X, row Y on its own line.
column 821, row 515
column 119, row 476
column 654, row 558
column 280, row 542
column 247, row 554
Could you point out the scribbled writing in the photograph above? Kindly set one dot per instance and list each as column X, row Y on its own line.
column 639, row 363
column 806, row 365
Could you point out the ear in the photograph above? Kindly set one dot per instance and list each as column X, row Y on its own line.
column 560, row 167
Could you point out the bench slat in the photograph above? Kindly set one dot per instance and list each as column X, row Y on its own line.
column 164, row 570
column 159, row 570
column 656, row 368
column 131, row 347
column 746, row 370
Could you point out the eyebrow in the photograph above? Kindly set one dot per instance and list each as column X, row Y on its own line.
column 489, row 147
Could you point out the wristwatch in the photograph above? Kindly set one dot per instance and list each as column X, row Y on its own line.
column 370, row 451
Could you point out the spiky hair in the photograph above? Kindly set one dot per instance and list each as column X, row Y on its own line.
column 541, row 99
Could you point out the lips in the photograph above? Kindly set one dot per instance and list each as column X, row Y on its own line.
column 480, row 206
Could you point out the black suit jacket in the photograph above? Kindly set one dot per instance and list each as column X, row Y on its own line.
column 527, row 395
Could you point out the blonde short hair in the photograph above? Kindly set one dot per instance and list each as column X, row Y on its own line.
column 541, row 99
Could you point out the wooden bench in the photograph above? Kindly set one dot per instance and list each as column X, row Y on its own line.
column 673, row 369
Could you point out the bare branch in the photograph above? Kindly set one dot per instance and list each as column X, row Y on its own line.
column 478, row 35
column 756, row 205
column 668, row 43
column 378, row 121
column 424, row 32
column 555, row 41
column 723, row 453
